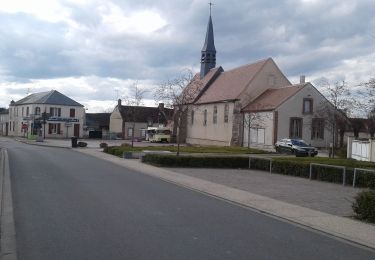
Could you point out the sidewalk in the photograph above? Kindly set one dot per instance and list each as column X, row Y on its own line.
column 312, row 204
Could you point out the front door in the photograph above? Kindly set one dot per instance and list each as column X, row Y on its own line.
column 76, row 130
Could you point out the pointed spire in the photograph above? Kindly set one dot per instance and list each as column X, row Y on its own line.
column 209, row 43
column 208, row 53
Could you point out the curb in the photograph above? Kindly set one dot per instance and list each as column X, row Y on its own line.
column 42, row 145
column 8, row 233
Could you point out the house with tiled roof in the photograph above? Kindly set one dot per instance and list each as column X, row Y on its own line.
column 49, row 114
column 126, row 120
column 224, row 100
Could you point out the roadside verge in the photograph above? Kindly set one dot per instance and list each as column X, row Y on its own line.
column 339, row 227
column 8, row 233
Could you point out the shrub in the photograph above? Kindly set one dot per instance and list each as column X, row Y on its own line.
column 196, row 161
column 364, row 205
column 103, row 145
column 82, row 144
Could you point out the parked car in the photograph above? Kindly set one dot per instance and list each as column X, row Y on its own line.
column 295, row 146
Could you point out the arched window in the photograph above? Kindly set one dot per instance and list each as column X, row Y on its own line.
column 37, row 111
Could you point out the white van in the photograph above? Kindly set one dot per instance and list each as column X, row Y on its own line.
column 158, row 134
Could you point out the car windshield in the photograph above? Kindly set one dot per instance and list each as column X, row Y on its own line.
column 299, row 143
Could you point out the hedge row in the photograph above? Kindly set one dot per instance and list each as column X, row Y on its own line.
column 290, row 167
column 364, row 206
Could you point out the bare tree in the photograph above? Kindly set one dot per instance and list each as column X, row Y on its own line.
column 335, row 109
column 178, row 93
column 133, row 100
column 366, row 104
column 253, row 120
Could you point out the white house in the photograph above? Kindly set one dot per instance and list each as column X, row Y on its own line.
column 49, row 114
column 289, row 112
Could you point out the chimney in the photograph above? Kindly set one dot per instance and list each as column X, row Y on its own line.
column 119, row 102
column 302, row 79
column 161, row 106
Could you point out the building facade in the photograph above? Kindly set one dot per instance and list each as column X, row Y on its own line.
column 48, row 114
column 126, row 121
column 4, row 121
column 226, row 101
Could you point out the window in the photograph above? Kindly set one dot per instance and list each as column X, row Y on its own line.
column 317, row 128
column 27, row 111
column 143, row 133
column 54, row 129
column 257, row 135
column 214, row 118
column 55, row 111
column 23, row 112
column 192, row 117
column 307, row 106
column 271, row 80
column 226, row 113
column 130, row 132
column 295, row 129
column 205, row 117
column 72, row 112
column 37, row 111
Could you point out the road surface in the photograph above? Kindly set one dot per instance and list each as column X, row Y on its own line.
column 68, row 205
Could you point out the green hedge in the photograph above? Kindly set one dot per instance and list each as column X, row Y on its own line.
column 300, row 168
column 195, row 161
column 364, row 205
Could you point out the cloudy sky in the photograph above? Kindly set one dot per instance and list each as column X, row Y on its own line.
column 94, row 50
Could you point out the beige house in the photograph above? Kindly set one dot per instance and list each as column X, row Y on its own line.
column 49, row 114
column 126, row 120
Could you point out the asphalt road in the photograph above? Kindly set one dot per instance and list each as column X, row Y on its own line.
column 71, row 206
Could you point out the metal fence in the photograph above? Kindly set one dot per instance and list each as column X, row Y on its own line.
column 329, row 166
column 261, row 158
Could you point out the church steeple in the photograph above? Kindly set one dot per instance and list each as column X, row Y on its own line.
column 208, row 54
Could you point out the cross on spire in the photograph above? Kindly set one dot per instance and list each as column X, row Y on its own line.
column 211, row 4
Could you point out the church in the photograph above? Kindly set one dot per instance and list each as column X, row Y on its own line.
column 251, row 105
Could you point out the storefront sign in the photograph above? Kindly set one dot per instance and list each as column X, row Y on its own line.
column 61, row 119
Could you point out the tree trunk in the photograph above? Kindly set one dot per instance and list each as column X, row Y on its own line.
column 178, row 133
column 248, row 138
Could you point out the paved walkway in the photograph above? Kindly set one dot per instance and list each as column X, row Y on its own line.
column 326, row 197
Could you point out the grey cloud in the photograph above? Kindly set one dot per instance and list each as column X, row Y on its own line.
column 303, row 39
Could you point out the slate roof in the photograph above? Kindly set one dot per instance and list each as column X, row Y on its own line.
column 4, row 111
column 273, row 98
column 145, row 114
column 230, row 84
column 52, row 97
